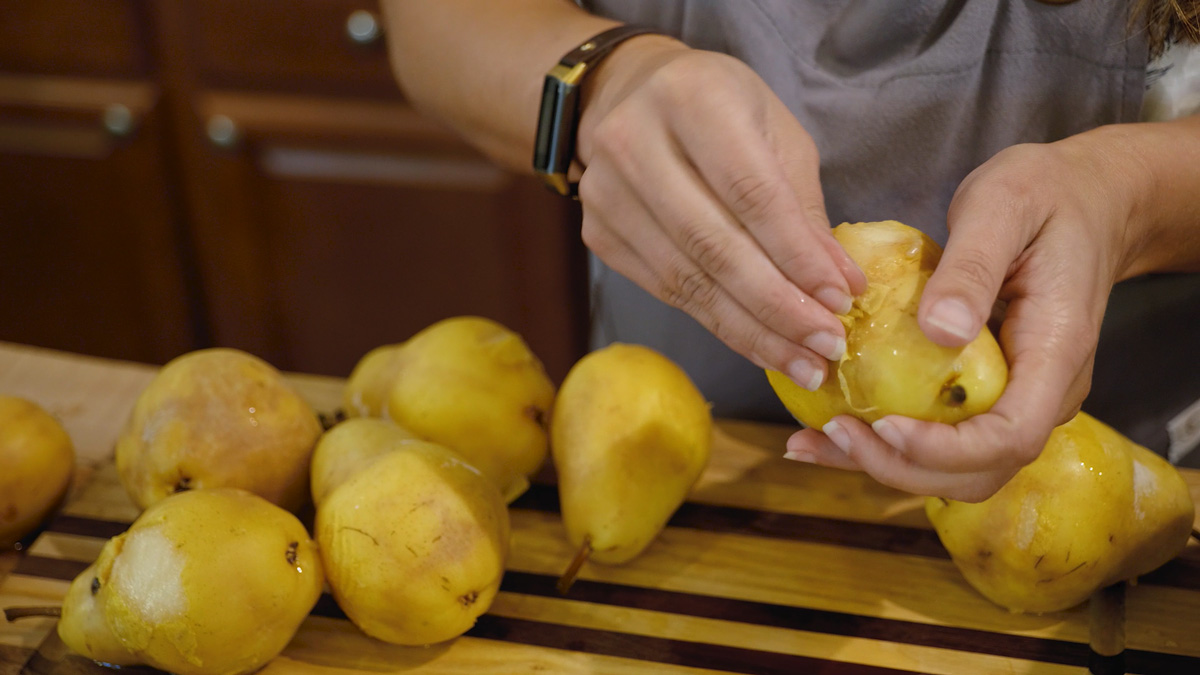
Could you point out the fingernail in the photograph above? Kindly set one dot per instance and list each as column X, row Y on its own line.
column 805, row 374
column 805, row 457
column 838, row 435
column 828, row 345
column 889, row 433
column 835, row 299
column 953, row 316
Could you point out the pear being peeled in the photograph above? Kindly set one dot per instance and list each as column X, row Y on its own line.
column 890, row 366
column 218, row 418
column 414, row 544
column 38, row 459
column 467, row 383
column 630, row 435
column 205, row 582
column 1093, row 509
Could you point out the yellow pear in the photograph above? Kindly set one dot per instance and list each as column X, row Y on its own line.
column 38, row 460
column 630, row 435
column 467, row 383
column 205, row 582
column 370, row 383
column 414, row 546
column 890, row 367
column 218, row 418
column 349, row 447
column 1092, row 510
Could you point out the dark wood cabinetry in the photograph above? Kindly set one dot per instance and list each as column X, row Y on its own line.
column 247, row 174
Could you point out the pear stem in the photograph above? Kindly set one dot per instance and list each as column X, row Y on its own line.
column 14, row 613
column 568, row 577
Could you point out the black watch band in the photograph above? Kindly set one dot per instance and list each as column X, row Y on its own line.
column 554, row 147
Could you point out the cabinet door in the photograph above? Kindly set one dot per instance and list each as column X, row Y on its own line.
column 89, row 247
column 327, row 227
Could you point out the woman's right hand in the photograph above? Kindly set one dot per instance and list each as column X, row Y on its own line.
column 701, row 187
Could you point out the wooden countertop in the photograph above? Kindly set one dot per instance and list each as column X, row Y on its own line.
column 771, row 567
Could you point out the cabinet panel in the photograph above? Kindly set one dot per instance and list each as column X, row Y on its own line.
column 317, row 247
column 80, row 37
column 89, row 256
column 303, row 45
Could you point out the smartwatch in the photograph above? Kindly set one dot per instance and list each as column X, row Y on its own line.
column 558, row 120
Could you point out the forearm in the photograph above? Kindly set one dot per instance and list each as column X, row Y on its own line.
column 478, row 65
column 1164, row 225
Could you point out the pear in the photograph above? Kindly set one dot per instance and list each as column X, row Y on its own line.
column 890, row 367
column 351, row 446
column 467, row 383
column 218, row 418
column 630, row 435
column 206, row 582
column 414, row 546
column 38, row 460
column 1092, row 510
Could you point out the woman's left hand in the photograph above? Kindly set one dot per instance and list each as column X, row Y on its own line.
column 1046, row 229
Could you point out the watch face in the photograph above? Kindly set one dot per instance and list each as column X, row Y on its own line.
column 554, row 146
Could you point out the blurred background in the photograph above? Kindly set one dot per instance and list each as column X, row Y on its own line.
column 246, row 173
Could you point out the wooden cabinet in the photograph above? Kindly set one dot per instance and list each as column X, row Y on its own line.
column 275, row 194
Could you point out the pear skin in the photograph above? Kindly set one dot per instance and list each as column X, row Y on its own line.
column 890, row 366
column 218, row 418
column 630, row 435
column 349, row 447
column 370, row 383
column 205, row 582
column 474, row 386
column 38, row 459
column 1092, row 510
column 415, row 545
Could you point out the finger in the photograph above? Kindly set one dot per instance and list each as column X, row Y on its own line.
column 989, row 229
column 745, row 175
column 893, row 468
column 706, row 233
column 798, row 157
column 813, row 447
column 659, row 267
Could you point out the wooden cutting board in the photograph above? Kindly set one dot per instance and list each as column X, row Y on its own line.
column 771, row 567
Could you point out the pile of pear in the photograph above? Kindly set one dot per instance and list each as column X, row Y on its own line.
column 1092, row 510
column 409, row 497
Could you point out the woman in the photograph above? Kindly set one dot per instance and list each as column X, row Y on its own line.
column 712, row 158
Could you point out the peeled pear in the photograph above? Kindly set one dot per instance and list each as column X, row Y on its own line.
column 218, row 418
column 1093, row 509
column 205, row 582
column 890, row 366
column 467, row 383
column 630, row 435
column 38, row 460
column 350, row 446
column 414, row 546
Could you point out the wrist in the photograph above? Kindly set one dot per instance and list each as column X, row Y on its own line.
column 613, row 78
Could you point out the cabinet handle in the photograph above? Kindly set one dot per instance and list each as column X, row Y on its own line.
column 362, row 27
column 222, row 131
column 118, row 120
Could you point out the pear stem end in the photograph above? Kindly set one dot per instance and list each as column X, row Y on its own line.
column 14, row 613
column 568, row 577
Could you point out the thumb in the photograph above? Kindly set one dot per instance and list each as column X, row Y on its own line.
column 984, row 243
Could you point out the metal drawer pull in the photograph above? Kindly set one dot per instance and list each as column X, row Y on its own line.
column 118, row 120
column 363, row 28
column 222, row 131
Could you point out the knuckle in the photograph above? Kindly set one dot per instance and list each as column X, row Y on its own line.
column 752, row 195
column 688, row 288
column 704, row 246
column 973, row 269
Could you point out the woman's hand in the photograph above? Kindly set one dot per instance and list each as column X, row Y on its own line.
column 1046, row 229
column 703, row 188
